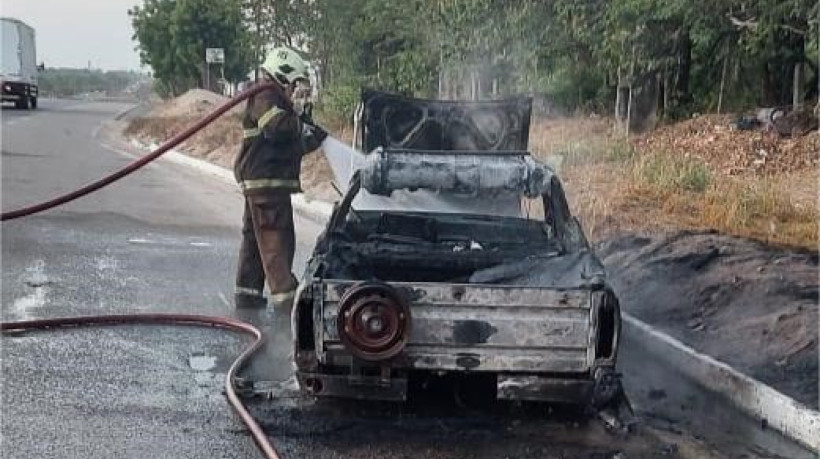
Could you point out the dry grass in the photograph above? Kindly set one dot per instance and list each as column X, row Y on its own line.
column 760, row 209
column 614, row 187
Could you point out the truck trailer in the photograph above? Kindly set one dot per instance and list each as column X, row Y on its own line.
column 18, row 75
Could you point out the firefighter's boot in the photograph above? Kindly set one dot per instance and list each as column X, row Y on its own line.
column 256, row 369
column 281, row 338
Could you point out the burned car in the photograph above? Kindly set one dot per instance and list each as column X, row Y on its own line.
column 429, row 265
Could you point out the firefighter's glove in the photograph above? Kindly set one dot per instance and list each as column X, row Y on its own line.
column 318, row 133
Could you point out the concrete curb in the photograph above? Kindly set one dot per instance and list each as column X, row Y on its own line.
column 781, row 412
column 753, row 397
column 123, row 113
column 318, row 211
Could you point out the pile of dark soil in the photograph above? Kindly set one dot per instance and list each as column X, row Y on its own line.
column 751, row 306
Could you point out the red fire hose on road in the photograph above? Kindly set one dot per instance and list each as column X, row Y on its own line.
column 262, row 442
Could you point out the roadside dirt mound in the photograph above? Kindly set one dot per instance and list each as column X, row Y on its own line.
column 749, row 305
column 195, row 102
column 733, row 152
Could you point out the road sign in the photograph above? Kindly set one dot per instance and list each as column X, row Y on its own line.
column 215, row 55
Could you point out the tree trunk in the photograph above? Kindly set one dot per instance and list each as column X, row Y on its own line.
column 682, row 95
column 769, row 87
column 779, row 71
column 618, row 96
column 797, row 87
column 472, row 85
column 203, row 75
column 722, row 84
column 629, row 110
column 440, row 74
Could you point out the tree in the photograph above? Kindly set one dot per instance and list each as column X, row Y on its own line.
column 277, row 23
column 172, row 36
column 697, row 54
column 71, row 82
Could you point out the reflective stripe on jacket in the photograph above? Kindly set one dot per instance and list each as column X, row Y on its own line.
column 272, row 146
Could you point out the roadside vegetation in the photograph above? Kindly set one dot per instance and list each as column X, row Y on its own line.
column 617, row 185
column 592, row 55
column 68, row 82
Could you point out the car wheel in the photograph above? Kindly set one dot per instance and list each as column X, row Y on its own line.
column 33, row 102
column 22, row 104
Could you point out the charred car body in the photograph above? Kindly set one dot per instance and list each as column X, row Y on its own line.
column 432, row 285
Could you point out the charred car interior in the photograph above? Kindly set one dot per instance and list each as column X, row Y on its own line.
column 393, row 293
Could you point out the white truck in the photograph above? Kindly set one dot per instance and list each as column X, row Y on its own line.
column 18, row 74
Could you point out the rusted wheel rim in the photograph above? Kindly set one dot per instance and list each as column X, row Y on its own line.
column 374, row 321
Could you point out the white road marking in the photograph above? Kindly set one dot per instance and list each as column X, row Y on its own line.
column 224, row 299
column 36, row 277
column 168, row 241
column 139, row 240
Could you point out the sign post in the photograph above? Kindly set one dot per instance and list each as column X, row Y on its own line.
column 213, row 56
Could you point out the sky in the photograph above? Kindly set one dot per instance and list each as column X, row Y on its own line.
column 70, row 33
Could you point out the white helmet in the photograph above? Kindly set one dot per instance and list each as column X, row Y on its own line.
column 285, row 65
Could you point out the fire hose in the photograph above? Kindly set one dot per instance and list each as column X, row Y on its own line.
column 259, row 437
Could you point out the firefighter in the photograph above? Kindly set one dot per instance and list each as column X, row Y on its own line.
column 267, row 169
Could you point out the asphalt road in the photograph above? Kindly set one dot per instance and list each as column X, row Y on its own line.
column 165, row 240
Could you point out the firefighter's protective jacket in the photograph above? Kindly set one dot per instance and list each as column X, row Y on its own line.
column 274, row 142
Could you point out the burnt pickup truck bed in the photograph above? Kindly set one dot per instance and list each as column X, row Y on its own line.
column 389, row 295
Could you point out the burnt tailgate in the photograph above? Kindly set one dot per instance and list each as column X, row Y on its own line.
column 482, row 328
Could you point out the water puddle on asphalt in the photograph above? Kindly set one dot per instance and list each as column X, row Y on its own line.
column 36, row 278
column 202, row 362
column 204, row 379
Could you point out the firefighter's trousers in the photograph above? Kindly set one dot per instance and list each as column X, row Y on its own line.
column 267, row 250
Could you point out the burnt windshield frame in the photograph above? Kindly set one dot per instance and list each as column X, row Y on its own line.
column 439, row 119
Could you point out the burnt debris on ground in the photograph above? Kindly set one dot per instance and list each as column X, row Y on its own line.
column 752, row 306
